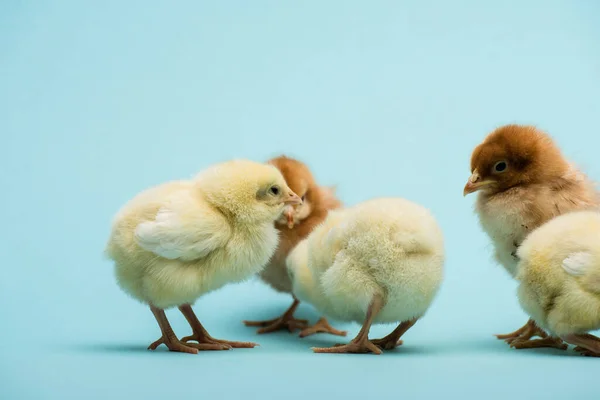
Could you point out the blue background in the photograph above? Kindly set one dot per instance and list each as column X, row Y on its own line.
column 99, row 101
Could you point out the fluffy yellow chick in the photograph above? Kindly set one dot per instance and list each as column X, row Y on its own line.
column 175, row 242
column 523, row 180
column 380, row 261
column 559, row 278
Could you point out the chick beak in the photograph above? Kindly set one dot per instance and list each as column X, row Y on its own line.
column 293, row 199
column 474, row 183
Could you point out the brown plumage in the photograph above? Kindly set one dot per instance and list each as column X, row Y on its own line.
column 523, row 181
column 294, row 225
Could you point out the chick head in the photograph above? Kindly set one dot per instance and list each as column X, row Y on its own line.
column 514, row 155
column 246, row 190
column 301, row 181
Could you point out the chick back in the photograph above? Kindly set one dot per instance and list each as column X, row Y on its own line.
column 390, row 247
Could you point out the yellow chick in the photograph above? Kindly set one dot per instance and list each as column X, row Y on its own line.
column 175, row 242
column 380, row 261
column 559, row 278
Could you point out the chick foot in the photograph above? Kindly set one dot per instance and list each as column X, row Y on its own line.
column 321, row 326
column 174, row 344
column 392, row 340
column 169, row 338
column 201, row 336
column 587, row 345
column 526, row 332
column 207, row 340
column 357, row 345
column 551, row 342
column 361, row 343
column 286, row 321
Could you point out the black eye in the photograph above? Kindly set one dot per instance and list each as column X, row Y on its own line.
column 303, row 197
column 500, row 166
column 274, row 190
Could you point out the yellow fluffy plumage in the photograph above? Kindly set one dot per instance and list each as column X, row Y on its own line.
column 379, row 261
column 177, row 241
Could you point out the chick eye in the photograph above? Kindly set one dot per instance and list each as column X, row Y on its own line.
column 500, row 166
column 303, row 196
column 274, row 190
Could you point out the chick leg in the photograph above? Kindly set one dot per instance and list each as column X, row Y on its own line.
column 321, row 326
column 587, row 345
column 169, row 339
column 361, row 343
column 393, row 339
column 286, row 321
column 201, row 335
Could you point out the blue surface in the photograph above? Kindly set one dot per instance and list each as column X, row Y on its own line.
column 381, row 98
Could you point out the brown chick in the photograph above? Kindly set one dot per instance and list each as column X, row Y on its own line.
column 523, row 181
column 294, row 225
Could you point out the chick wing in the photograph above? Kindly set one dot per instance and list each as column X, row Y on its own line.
column 184, row 228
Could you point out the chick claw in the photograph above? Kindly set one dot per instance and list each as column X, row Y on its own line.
column 321, row 326
column 284, row 322
column 218, row 344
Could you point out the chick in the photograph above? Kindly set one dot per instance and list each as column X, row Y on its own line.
column 380, row 261
column 175, row 242
column 294, row 225
column 559, row 278
column 523, row 181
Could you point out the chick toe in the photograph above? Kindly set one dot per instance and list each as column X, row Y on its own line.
column 550, row 342
column 526, row 332
column 278, row 324
column 285, row 321
column 201, row 335
column 173, row 344
column 587, row 345
column 321, row 326
column 356, row 346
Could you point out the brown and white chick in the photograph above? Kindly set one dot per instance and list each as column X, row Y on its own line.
column 295, row 223
column 523, row 181
column 177, row 241
column 380, row 261
column 559, row 278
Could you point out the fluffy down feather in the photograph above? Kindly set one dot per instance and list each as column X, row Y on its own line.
column 383, row 248
column 559, row 274
column 174, row 242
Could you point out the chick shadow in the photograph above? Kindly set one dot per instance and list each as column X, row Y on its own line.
column 479, row 346
column 117, row 348
column 409, row 348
